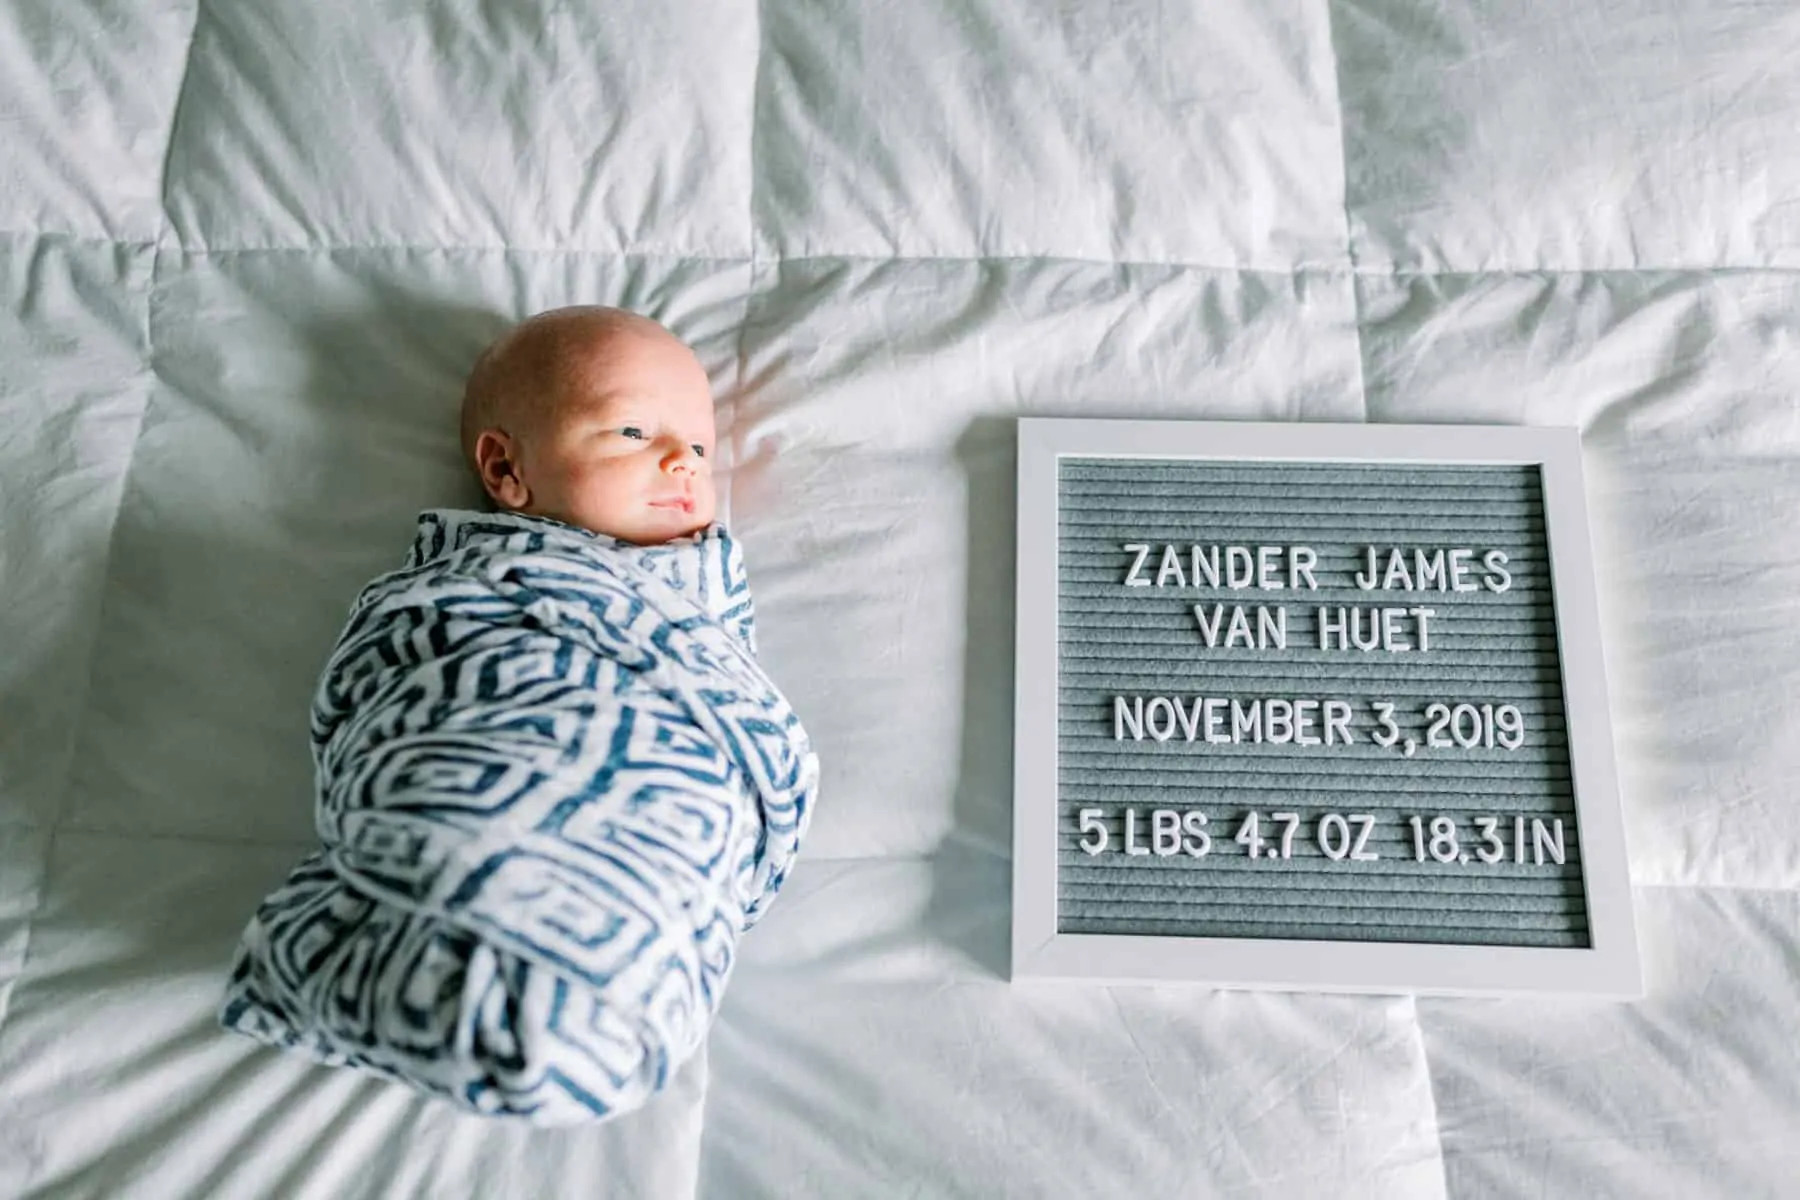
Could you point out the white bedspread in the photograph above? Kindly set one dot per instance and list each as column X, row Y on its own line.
column 248, row 251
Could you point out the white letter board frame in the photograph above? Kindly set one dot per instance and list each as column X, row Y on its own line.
column 1608, row 967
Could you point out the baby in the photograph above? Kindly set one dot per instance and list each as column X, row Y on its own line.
column 554, row 785
column 595, row 417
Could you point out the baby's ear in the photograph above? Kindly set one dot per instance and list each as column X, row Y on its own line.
column 498, row 472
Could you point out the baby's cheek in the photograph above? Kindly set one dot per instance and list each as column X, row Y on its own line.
column 605, row 473
column 603, row 484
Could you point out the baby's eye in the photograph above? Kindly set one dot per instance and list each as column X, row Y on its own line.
column 631, row 431
column 699, row 450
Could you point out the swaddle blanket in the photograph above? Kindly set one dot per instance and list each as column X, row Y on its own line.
column 554, row 787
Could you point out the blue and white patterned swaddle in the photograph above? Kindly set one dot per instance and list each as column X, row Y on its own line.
column 554, row 787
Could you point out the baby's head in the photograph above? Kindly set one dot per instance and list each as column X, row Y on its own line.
column 597, row 417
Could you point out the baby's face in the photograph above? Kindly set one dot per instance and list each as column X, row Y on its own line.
column 623, row 444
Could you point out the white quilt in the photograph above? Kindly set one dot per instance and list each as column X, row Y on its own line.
column 248, row 252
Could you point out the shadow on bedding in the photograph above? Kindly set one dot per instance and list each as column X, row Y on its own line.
column 970, row 907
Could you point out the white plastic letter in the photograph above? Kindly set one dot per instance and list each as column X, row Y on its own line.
column 1301, row 561
column 1240, row 568
column 1392, row 636
column 1093, row 827
column 1333, row 836
column 1215, row 721
column 1396, row 569
column 1271, row 628
column 1165, row 832
column 1420, row 615
column 1430, row 571
column 1337, row 722
column 1290, row 822
column 1495, row 562
column 1246, row 722
column 1266, row 578
column 1168, row 722
column 1125, row 716
column 1240, row 627
column 1209, row 630
column 1198, row 842
column 1190, row 722
column 1329, row 626
column 1459, row 567
column 1304, row 716
column 1544, row 842
column 1137, row 564
column 1131, row 843
column 1171, row 565
column 1206, row 565
column 1278, row 716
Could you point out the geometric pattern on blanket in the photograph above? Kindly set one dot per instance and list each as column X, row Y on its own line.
column 554, row 789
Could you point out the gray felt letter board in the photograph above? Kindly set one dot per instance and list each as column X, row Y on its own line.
column 1313, row 706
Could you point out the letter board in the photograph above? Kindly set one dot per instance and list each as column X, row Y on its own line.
column 1313, row 706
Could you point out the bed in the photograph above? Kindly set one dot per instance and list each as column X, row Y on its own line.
column 248, row 252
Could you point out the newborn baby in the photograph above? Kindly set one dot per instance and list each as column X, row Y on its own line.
column 554, row 785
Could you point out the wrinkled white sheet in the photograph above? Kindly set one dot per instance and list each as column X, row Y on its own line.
column 247, row 253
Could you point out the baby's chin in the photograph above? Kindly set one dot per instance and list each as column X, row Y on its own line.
column 653, row 527
column 644, row 524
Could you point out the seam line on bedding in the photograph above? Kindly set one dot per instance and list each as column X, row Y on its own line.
column 56, row 821
column 755, row 258
column 1356, row 304
column 1417, row 1026
column 734, row 441
column 22, row 236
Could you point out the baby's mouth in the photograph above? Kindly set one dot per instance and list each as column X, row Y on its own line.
column 683, row 503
